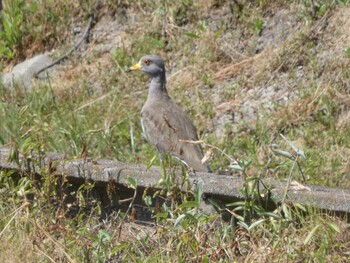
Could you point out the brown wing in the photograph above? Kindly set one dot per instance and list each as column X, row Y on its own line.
column 165, row 127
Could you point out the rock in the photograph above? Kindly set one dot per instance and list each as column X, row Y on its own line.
column 277, row 29
column 343, row 120
column 223, row 123
column 249, row 110
column 108, row 34
column 22, row 74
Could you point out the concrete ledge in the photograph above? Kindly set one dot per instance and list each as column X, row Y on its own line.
column 221, row 187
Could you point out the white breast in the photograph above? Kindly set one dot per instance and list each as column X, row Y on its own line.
column 143, row 130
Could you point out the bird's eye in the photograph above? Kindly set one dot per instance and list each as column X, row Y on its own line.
column 146, row 62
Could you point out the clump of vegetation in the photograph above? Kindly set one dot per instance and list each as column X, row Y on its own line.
column 93, row 112
column 30, row 27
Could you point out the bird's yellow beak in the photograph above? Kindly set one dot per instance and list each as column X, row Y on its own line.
column 135, row 67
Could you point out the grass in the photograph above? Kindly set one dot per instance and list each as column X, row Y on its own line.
column 34, row 26
column 93, row 112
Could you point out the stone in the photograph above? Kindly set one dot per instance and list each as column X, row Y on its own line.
column 277, row 29
column 22, row 74
column 223, row 123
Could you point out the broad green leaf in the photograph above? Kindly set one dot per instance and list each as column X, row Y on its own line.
column 269, row 214
column 188, row 204
column 132, row 182
column 235, row 167
column 284, row 153
column 256, row 224
column 311, row 234
column 295, row 148
column 191, row 35
column 334, row 226
column 244, row 225
column 179, row 219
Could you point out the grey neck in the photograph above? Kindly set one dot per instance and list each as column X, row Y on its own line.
column 157, row 87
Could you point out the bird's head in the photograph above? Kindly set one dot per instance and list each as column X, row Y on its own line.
column 150, row 64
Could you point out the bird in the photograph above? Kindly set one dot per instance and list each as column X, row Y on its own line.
column 165, row 125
